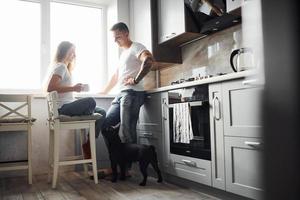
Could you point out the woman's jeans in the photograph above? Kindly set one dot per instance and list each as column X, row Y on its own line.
column 84, row 106
column 125, row 110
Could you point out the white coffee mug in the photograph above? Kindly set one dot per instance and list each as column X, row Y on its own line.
column 85, row 87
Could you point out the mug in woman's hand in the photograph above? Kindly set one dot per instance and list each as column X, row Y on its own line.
column 85, row 87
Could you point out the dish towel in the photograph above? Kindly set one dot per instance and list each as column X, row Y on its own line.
column 182, row 124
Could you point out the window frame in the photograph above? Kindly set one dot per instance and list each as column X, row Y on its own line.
column 45, row 57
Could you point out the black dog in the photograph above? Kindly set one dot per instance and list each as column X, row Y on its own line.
column 124, row 153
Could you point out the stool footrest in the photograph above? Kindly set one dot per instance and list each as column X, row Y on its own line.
column 74, row 162
column 13, row 166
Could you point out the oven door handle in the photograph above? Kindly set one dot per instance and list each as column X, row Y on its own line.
column 191, row 104
column 218, row 115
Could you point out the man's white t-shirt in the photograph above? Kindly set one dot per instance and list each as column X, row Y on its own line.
column 61, row 70
column 129, row 66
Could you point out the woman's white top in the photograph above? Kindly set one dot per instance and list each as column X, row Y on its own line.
column 61, row 70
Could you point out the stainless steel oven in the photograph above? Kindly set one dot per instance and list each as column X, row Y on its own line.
column 198, row 100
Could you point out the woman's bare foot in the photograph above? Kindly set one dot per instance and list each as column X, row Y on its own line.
column 86, row 150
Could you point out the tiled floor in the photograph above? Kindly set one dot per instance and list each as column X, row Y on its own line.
column 73, row 186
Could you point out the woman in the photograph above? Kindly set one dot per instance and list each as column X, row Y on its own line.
column 61, row 81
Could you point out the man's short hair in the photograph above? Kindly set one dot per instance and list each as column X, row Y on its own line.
column 120, row 27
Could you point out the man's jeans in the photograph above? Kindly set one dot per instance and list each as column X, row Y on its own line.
column 125, row 108
column 84, row 106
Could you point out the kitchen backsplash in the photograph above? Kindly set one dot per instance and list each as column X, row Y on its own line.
column 209, row 55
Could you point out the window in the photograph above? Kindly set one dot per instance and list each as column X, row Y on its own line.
column 31, row 31
column 83, row 27
column 20, row 44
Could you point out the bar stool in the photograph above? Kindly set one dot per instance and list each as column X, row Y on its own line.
column 62, row 122
column 15, row 115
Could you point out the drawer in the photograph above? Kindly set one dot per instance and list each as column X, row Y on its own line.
column 148, row 134
column 149, row 126
column 244, row 164
column 191, row 168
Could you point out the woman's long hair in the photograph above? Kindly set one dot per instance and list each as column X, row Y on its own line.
column 61, row 53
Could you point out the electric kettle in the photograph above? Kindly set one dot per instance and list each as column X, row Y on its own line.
column 244, row 60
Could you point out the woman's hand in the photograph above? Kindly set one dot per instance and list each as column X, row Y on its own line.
column 78, row 87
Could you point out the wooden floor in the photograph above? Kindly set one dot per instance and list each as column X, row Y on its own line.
column 73, row 186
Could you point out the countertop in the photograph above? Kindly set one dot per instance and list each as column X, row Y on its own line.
column 214, row 79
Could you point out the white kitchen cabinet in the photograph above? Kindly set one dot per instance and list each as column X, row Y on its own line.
column 175, row 23
column 144, row 29
column 149, row 126
column 217, row 136
column 242, row 106
column 236, row 137
column 171, row 19
column 243, row 163
column 232, row 5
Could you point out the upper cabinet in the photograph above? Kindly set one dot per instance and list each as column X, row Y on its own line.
column 144, row 29
column 165, row 25
column 175, row 22
column 233, row 5
column 181, row 21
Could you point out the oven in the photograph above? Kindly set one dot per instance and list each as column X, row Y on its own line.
column 198, row 103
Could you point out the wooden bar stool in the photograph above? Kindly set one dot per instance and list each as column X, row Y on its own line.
column 62, row 122
column 15, row 115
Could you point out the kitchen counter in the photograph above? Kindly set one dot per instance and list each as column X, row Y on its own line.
column 206, row 81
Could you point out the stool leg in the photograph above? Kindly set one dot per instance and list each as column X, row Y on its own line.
column 50, row 159
column 82, row 136
column 93, row 151
column 29, row 149
column 56, row 155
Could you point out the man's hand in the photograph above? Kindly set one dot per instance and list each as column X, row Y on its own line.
column 129, row 81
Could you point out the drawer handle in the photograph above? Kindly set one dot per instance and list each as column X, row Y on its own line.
column 255, row 144
column 171, row 35
column 189, row 163
column 147, row 134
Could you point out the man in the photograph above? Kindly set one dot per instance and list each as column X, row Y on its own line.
column 134, row 63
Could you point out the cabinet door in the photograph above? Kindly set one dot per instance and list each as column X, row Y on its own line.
column 217, row 137
column 165, row 132
column 171, row 19
column 150, row 113
column 244, row 166
column 242, row 109
column 152, row 138
column 233, row 4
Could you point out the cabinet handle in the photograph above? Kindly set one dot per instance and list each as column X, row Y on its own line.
column 189, row 163
column 171, row 35
column 164, row 104
column 255, row 144
column 147, row 134
column 217, row 117
column 251, row 82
